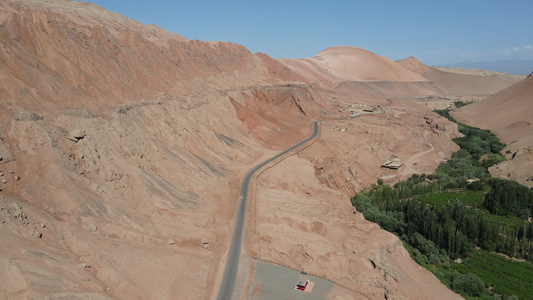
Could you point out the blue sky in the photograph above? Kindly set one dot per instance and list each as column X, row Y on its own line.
column 435, row 32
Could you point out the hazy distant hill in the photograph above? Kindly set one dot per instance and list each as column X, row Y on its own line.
column 461, row 81
column 511, row 66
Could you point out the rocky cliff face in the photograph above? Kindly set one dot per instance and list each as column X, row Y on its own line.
column 60, row 53
column 122, row 145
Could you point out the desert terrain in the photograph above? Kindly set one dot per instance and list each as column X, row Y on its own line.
column 122, row 149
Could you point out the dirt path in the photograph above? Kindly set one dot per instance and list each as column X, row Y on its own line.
column 409, row 164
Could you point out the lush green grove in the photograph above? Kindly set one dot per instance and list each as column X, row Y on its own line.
column 454, row 228
column 508, row 198
column 476, row 141
column 479, row 142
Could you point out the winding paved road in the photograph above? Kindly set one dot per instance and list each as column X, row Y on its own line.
column 232, row 264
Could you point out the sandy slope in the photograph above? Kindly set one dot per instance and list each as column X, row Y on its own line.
column 351, row 69
column 478, row 72
column 508, row 114
column 339, row 64
column 414, row 65
column 452, row 82
column 356, row 64
column 298, row 217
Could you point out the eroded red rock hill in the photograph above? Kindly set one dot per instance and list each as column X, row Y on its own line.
column 122, row 147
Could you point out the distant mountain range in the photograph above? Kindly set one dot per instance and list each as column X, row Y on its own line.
column 511, row 66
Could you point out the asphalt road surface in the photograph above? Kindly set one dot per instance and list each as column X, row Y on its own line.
column 232, row 264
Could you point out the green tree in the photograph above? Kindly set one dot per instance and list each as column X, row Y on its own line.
column 468, row 284
column 508, row 197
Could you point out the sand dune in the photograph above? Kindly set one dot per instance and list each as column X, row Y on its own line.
column 414, row 65
column 356, row 64
column 352, row 64
column 346, row 68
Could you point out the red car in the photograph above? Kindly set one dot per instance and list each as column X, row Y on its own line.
column 302, row 282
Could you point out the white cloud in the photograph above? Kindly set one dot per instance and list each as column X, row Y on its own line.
column 525, row 49
column 523, row 52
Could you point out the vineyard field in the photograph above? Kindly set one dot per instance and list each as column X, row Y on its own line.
column 506, row 276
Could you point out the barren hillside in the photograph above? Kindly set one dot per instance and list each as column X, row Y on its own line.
column 456, row 83
column 352, row 68
column 356, row 64
column 508, row 114
column 122, row 147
